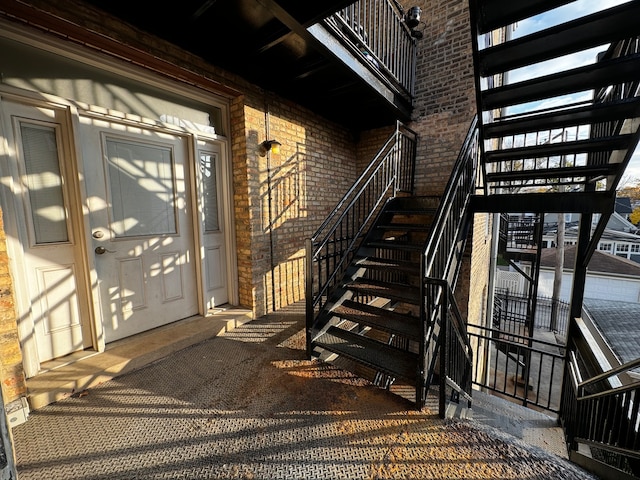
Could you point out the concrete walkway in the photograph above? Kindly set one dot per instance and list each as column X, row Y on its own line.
column 247, row 404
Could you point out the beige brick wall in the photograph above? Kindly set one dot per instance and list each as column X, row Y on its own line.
column 13, row 380
column 288, row 193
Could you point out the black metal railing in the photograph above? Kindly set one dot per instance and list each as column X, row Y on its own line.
column 442, row 255
column 456, row 352
column 332, row 246
column 521, row 367
column 519, row 232
column 377, row 32
column 603, row 414
column 511, row 313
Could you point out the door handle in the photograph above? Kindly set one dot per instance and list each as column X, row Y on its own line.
column 100, row 250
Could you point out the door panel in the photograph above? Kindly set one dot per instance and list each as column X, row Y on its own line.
column 50, row 297
column 141, row 224
column 213, row 239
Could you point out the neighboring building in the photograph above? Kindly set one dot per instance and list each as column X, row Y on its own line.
column 609, row 277
column 620, row 237
column 615, row 326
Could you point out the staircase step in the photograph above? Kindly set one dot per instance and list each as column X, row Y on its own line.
column 394, row 244
column 602, row 144
column 388, row 264
column 381, row 319
column 499, row 13
column 393, row 291
column 551, row 173
column 590, row 114
column 374, row 354
column 589, row 31
column 412, row 227
column 595, row 76
column 428, row 203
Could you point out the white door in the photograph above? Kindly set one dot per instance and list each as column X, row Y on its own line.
column 214, row 258
column 137, row 184
column 52, row 302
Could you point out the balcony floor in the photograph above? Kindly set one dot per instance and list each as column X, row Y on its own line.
column 248, row 404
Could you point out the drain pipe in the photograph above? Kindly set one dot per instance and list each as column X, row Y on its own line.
column 272, row 265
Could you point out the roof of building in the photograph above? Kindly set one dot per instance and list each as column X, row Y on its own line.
column 623, row 205
column 619, row 324
column 600, row 262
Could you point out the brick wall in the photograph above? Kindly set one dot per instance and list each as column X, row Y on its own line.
column 13, row 380
column 445, row 91
column 444, row 107
column 288, row 193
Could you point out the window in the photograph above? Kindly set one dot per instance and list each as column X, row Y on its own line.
column 44, row 180
column 606, row 247
column 635, row 248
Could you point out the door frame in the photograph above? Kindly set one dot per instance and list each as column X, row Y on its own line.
column 80, row 223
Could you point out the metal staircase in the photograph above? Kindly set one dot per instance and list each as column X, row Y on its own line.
column 381, row 295
column 581, row 146
column 557, row 138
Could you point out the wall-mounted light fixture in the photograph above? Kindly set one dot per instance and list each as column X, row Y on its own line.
column 412, row 17
column 272, row 146
column 412, row 20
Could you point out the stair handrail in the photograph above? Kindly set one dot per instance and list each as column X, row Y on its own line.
column 444, row 244
column 456, row 351
column 391, row 171
column 456, row 196
column 605, row 419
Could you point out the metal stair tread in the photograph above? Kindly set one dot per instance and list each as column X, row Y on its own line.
column 367, row 351
column 593, row 76
column 387, row 263
column 405, row 226
column 549, row 173
column 393, row 291
column 389, row 321
column 394, row 244
column 580, row 34
column 603, row 112
column 600, row 144
column 498, row 13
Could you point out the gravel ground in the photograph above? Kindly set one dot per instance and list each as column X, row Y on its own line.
column 248, row 405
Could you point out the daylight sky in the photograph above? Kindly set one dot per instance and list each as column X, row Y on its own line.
column 555, row 17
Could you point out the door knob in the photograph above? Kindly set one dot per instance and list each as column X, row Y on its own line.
column 100, row 250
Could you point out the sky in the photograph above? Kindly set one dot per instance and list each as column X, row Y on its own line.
column 555, row 17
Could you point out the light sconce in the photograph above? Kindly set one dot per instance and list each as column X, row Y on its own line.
column 272, row 146
column 412, row 20
column 412, row 17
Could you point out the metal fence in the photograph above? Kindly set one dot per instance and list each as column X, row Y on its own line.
column 512, row 312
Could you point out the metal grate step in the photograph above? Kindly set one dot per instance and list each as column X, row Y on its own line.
column 369, row 352
column 393, row 291
column 377, row 263
column 381, row 319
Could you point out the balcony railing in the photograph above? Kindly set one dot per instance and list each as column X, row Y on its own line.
column 376, row 31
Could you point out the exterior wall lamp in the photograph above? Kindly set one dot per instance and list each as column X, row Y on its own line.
column 412, row 20
column 272, row 146
column 412, row 17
